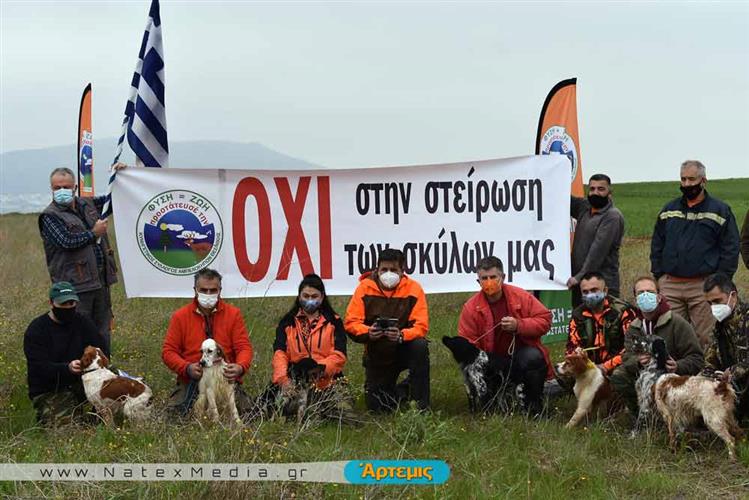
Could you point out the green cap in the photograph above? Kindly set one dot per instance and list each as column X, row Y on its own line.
column 61, row 292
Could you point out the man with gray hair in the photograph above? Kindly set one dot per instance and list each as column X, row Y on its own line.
column 694, row 236
column 207, row 316
column 77, row 248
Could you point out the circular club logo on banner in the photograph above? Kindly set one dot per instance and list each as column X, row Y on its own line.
column 556, row 140
column 179, row 232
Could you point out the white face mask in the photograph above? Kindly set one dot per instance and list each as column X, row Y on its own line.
column 722, row 311
column 207, row 301
column 389, row 279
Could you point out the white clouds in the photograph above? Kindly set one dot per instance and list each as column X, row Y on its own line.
column 174, row 227
column 191, row 235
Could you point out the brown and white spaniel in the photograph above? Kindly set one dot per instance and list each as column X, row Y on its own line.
column 592, row 388
column 111, row 393
column 682, row 400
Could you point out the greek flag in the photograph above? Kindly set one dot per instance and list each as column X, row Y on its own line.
column 145, row 117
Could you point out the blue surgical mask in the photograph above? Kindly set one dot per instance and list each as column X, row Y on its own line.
column 647, row 302
column 593, row 299
column 63, row 196
column 310, row 305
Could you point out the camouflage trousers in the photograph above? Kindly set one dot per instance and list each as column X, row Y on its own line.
column 60, row 408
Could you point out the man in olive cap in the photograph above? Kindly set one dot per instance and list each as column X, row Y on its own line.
column 53, row 345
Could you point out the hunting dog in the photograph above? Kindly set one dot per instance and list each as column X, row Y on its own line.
column 215, row 393
column 110, row 393
column 303, row 375
column 592, row 389
column 682, row 400
column 484, row 376
column 649, row 375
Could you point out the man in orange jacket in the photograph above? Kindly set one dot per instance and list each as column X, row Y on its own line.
column 509, row 322
column 207, row 316
column 388, row 313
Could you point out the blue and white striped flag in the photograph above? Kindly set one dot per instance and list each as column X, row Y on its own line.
column 145, row 117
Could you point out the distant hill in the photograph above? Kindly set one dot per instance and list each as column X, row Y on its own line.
column 27, row 171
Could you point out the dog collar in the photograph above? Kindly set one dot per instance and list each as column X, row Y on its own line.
column 87, row 370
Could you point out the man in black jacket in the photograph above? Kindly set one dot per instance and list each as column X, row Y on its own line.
column 695, row 236
column 53, row 344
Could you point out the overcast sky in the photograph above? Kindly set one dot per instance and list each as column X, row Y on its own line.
column 366, row 84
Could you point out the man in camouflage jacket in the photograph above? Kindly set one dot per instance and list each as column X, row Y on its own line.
column 729, row 348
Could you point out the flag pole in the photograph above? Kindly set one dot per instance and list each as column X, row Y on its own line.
column 149, row 73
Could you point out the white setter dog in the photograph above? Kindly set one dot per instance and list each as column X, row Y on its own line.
column 682, row 400
column 215, row 393
column 110, row 393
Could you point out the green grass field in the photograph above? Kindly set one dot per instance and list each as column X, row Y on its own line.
column 175, row 257
column 501, row 456
column 641, row 201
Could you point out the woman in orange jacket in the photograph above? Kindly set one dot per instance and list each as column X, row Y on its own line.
column 311, row 329
column 309, row 352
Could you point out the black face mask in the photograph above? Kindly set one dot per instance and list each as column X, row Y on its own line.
column 64, row 314
column 597, row 201
column 691, row 192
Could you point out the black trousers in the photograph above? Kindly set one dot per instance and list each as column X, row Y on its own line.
column 384, row 362
column 528, row 367
column 97, row 305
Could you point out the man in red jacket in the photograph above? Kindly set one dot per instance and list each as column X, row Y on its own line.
column 207, row 316
column 509, row 322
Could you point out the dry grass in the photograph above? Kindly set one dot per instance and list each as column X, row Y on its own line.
column 497, row 456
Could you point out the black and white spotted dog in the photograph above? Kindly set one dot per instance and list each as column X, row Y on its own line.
column 649, row 375
column 484, row 377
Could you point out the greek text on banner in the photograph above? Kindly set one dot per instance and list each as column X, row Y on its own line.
column 264, row 230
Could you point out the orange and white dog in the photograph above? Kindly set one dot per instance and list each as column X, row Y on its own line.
column 110, row 393
column 682, row 400
column 215, row 393
column 591, row 389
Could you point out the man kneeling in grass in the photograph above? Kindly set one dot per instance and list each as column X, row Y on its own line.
column 206, row 316
column 509, row 322
column 728, row 350
column 597, row 326
column 388, row 314
column 53, row 344
column 655, row 318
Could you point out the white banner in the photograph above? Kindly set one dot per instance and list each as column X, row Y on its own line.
column 264, row 230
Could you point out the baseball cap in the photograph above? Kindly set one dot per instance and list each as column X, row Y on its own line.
column 61, row 292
